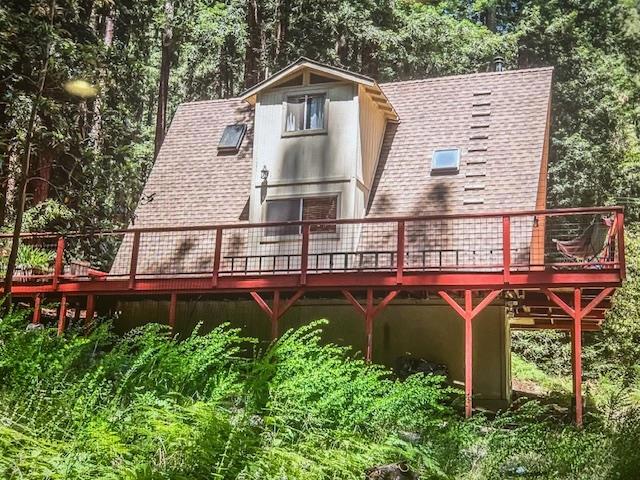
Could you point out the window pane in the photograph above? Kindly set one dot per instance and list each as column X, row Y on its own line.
column 446, row 159
column 320, row 208
column 295, row 114
column 285, row 210
column 315, row 112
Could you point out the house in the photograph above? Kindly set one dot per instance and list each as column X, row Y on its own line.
column 410, row 214
column 313, row 142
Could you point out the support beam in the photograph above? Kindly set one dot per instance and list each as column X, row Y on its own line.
column 578, row 313
column 468, row 313
column 62, row 315
column 90, row 312
column 369, row 312
column 576, row 342
column 278, row 309
column 37, row 311
column 173, row 303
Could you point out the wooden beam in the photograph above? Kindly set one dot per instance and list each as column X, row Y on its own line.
column 354, row 302
column 37, row 311
column 62, row 315
column 261, row 303
column 576, row 340
column 173, row 303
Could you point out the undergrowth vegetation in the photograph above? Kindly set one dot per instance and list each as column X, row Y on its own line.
column 146, row 406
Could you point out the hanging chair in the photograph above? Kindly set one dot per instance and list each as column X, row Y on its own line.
column 594, row 244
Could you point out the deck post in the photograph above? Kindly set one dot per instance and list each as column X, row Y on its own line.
column 37, row 309
column 506, row 248
column 216, row 257
column 368, row 325
column 133, row 268
column 90, row 312
column 278, row 310
column 172, row 311
column 57, row 266
column 275, row 314
column 400, row 253
column 62, row 315
column 369, row 312
column 304, row 254
column 576, row 350
column 468, row 313
column 468, row 354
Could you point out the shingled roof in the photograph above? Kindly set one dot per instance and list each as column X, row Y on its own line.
column 497, row 119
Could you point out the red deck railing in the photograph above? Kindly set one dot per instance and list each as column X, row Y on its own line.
column 516, row 248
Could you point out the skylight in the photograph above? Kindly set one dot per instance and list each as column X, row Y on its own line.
column 232, row 137
column 446, row 160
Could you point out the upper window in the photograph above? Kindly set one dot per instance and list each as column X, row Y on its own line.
column 446, row 160
column 296, row 209
column 232, row 137
column 305, row 112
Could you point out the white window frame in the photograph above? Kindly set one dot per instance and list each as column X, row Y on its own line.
column 444, row 170
column 306, row 92
column 297, row 236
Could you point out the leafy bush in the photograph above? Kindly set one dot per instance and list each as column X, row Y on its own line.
column 147, row 406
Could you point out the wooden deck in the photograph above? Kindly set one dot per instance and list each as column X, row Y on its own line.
column 468, row 260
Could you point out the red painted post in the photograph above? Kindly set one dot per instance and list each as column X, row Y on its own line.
column 133, row 268
column 62, row 316
column 304, row 254
column 368, row 325
column 216, row 257
column 172, row 311
column 57, row 266
column 90, row 312
column 506, row 247
column 468, row 353
column 400, row 253
column 620, row 235
column 275, row 315
column 577, row 354
column 37, row 301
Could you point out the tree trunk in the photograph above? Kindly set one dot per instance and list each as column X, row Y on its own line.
column 4, row 186
column 491, row 20
column 255, row 45
column 96, row 128
column 165, row 70
column 42, row 176
column 23, row 176
column 281, row 32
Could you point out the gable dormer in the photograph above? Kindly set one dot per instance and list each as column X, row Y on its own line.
column 318, row 133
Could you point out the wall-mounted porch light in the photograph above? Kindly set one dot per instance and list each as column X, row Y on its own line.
column 264, row 173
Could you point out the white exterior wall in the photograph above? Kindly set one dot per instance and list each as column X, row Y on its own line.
column 306, row 164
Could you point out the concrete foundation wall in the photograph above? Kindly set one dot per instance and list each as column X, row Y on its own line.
column 425, row 329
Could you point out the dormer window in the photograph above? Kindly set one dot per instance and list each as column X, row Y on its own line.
column 305, row 113
column 445, row 160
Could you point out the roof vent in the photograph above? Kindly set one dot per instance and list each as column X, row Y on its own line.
column 498, row 64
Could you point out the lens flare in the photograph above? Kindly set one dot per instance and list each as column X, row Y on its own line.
column 80, row 88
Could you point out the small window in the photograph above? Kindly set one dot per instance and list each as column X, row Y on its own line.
column 296, row 209
column 232, row 137
column 446, row 160
column 305, row 112
column 285, row 210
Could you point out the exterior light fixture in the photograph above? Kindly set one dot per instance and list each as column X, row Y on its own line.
column 264, row 173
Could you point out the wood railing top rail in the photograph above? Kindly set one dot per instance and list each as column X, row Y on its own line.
column 349, row 221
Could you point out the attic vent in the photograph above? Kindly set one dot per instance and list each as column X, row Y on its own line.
column 232, row 137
